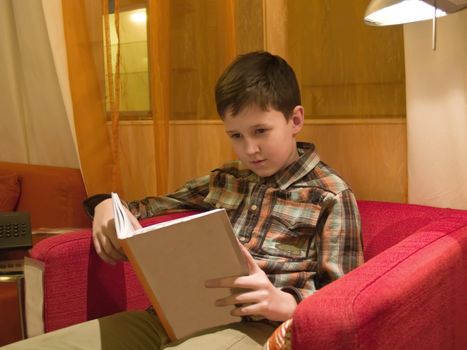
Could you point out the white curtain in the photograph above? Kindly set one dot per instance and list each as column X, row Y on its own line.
column 437, row 112
column 35, row 108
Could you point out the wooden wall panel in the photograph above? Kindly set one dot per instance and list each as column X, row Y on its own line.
column 346, row 69
column 137, row 159
column 203, row 43
column 370, row 156
column 275, row 20
column 186, row 161
column 352, row 81
column 195, row 149
column 249, row 25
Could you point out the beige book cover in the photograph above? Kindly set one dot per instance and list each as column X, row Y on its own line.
column 173, row 260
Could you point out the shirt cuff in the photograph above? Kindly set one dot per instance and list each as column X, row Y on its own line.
column 295, row 292
column 91, row 203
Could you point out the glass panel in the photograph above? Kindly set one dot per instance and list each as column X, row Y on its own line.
column 134, row 71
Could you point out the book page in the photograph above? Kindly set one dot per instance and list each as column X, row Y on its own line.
column 172, row 222
column 123, row 224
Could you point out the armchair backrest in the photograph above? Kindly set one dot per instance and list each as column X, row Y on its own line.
column 386, row 224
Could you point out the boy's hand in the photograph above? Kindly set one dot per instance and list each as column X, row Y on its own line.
column 260, row 296
column 104, row 235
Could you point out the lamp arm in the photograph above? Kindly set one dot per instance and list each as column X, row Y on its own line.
column 433, row 41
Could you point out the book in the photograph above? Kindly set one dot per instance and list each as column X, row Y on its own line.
column 174, row 259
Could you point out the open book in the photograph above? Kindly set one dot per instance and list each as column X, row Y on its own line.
column 173, row 260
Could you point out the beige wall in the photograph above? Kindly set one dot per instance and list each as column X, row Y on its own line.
column 437, row 112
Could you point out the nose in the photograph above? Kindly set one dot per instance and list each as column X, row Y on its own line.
column 251, row 147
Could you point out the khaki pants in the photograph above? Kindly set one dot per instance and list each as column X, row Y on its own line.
column 140, row 330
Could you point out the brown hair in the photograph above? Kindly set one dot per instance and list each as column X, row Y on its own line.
column 257, row 78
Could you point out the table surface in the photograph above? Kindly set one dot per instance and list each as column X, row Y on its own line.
column 20, row 253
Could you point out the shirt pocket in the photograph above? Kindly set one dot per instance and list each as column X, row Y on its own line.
column 224, row 199
column 225, row 191
column 292, row 230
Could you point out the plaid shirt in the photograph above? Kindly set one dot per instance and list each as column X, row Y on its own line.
column 301, row 225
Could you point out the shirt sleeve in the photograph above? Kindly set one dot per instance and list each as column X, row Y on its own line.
column 339, row 244
column 189, row 196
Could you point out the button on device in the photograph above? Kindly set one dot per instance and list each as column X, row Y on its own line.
column 253, row 207
column 15, row 230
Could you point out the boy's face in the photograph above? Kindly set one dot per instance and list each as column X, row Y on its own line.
column 264, row 140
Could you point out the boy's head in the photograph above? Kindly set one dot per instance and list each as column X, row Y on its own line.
column 258, row 100
column 257, row 78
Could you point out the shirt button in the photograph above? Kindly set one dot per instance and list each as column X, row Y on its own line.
column 218, row 205
column 253, row 207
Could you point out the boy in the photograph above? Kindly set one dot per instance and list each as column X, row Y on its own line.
column 296, row 219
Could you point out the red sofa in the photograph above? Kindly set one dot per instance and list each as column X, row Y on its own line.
column 53, row 196
column 411, row 293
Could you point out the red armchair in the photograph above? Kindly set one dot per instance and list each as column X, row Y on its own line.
column 411, row 293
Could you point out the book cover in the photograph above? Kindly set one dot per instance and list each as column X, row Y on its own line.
column 173, row 260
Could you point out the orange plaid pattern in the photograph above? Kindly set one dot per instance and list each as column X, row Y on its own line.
column 281, row 338
column 301, row 225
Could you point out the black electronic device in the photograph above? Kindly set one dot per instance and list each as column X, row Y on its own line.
column 15, row 230
column 11, row 267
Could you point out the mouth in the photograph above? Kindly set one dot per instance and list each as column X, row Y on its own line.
column 257, row 162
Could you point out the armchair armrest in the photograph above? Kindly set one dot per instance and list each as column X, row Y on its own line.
column 411, row 296
column 77, row 285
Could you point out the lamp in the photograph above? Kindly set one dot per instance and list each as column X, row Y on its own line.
column 390, row 12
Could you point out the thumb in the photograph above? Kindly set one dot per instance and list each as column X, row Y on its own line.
column 134, row 221
column 252, row 265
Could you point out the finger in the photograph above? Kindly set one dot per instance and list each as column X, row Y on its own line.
column 101, row 252
column 111, row 236
column 252, row 265
column 229, row 282
column 248, row 310
column 110, row 242
column 243, row 282
column 136, row 224
column 226, row 282
column 134, row 221
column 112, row 251
column 241, row 298
column 109, row 249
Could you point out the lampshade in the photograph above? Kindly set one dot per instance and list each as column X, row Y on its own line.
column 389, row 12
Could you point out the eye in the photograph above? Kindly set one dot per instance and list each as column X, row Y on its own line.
column 260, row 131
column 234, row 136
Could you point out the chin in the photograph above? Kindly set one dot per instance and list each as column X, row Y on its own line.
column 263, row 172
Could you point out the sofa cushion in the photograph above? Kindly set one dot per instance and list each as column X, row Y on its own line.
column 52, row 195
column 10, row 190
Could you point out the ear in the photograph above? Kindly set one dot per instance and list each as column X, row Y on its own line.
column 297, row 119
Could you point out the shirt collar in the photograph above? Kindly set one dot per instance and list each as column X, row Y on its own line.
column 306, row 162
